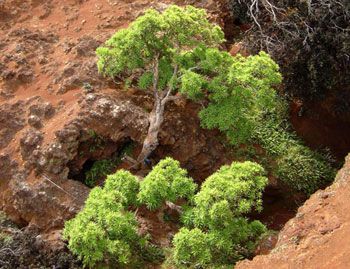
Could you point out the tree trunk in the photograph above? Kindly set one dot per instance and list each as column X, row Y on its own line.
column 151, row 142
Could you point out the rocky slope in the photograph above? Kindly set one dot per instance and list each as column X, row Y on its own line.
column 57, row 115
column 55, row 109
column 318, row 236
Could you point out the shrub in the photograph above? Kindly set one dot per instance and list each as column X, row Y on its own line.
column 220, row 234
column 295, row 164
column 228, row 193
column 191, row 247
column 239, row 94
column 103, row 231
column 303, row 169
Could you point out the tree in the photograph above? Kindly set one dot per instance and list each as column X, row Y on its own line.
column 167, row 182
column 152, row 46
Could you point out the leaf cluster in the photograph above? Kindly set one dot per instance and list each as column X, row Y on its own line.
column 156, row 36
column 166, row 182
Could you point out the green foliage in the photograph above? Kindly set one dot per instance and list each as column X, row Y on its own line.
column 296, row 165
column 220, row 234
column 183, row 44
column 240, row 97
column 103, row 231
column 166, row 182
column 228, row 193
column 99, row 169
column 191, row 247
column 216, row 235
column 303, row 169
column 163, row 36
column 126, row 183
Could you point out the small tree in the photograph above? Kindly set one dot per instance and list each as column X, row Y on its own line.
column 151, row 49
column 167, row 182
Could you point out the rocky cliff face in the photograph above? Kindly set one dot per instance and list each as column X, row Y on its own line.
column 318, row 236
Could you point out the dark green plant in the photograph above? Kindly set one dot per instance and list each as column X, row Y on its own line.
column 99, row 169
column 295, row 164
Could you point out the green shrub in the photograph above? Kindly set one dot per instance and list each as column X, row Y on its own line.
column 191, row 247
column 220, row 234
column 103, row 231
column 303, row 169
column 228, row 193
column 295, row 164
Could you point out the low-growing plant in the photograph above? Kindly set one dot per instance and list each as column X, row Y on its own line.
column 216, row 232
column 295, row 164
column 103, row 231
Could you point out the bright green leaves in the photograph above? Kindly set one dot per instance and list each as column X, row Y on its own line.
column 103, row 229
column 241, row 96
column 192, row 84
column 191, row 247
column 154, row 35
column 166, row 182
column 126, row 183
column 220, row 234
column 233, row 190
column 184, row 44
column 105, row 232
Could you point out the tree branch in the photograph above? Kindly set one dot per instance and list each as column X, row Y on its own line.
column 156, row 76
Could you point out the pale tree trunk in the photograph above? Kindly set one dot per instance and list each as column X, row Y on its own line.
column 156, row 116
column 151, row 142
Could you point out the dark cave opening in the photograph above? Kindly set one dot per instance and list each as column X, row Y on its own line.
column 81, row 174
column 95, row 160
